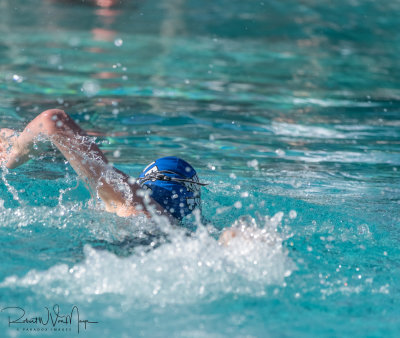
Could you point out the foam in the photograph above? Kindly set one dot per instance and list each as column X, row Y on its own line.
column 185, row 270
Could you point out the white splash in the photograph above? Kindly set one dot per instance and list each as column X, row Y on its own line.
column 185, row 270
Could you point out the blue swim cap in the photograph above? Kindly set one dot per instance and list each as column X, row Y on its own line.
column 174, row 185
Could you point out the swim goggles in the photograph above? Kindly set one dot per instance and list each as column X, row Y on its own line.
column 160, row 175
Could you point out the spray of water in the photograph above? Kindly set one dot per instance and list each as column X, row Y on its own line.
column 185, row 269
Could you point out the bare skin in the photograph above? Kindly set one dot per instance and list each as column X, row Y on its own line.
column 119, row 195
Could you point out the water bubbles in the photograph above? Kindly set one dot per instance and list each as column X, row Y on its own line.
column 276, row 219
column 90, row 88
column 184, row 270
column 253, row 164
column 237, row 205
column 363, row 229
column 292, row 214
column 117, row 153
column 17, row 78
column 244, row 194
column 280, row 152
column 54, row 59
column 118, row 42
column 232, row 176
column 222, row 210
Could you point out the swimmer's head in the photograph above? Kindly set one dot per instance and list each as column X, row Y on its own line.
column 173, row 183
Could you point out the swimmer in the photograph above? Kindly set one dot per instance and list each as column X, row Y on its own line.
column 172, row 184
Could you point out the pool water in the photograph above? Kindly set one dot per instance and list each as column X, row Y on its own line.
column 289, row 110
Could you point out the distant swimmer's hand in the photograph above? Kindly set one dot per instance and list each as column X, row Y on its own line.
column 8, row 139
column 243, row 234
column 227, row 236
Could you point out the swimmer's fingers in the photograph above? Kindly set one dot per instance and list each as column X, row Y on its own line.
column 8, row 139
column 227, row 236
column 247, row 234
column 7, row 136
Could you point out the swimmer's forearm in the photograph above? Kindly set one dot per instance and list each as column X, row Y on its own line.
column 83, row 154
column 22, row 149
column 54, row 125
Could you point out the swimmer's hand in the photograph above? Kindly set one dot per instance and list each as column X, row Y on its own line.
column 8, row 145
column 110, row 184
column 243, row 234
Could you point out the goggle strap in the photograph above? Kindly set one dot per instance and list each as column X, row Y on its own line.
column 159, row 175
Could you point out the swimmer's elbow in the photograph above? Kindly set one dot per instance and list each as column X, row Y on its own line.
column 52, row 121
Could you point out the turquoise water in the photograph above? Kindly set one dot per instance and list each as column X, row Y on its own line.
column 290, row 110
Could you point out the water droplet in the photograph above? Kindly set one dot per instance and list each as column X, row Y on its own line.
column 238, row 205
column 17, row 78
column 253, row 164
column 118, row 42
column 54, row 59
column 90, row 88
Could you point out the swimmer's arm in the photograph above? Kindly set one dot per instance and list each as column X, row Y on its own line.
column 82, row 153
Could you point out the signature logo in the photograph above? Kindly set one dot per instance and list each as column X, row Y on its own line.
column 53, row 320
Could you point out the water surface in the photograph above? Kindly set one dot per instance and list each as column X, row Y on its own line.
column 290, row 110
